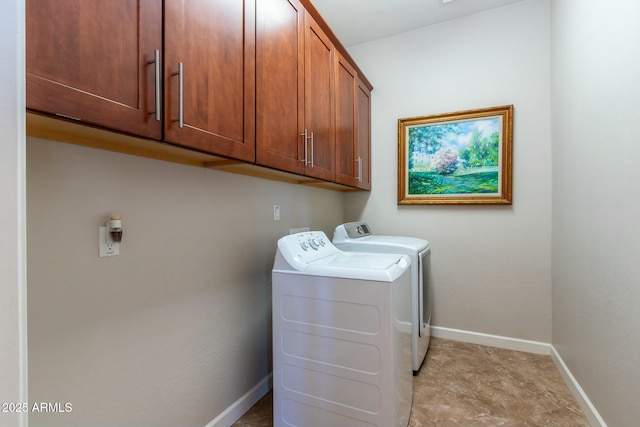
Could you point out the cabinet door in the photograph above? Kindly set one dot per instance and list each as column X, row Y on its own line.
column 209, row 69
column 363, row 134
column 90, row 60
column 319, row 113
column 347, row 163
column 280, row 85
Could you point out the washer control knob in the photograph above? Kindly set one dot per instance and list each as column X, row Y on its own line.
column 304, row 246
column 314, row 244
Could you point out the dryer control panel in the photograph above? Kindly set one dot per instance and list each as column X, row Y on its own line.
column 352, row 230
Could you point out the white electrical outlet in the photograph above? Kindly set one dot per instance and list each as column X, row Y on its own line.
column 276, row 212
column 106, row 246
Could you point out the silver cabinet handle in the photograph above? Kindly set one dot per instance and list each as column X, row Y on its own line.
column 359, row 162
column 180, row 74
column 156, row 61
column 311, row 149
column 304, row 134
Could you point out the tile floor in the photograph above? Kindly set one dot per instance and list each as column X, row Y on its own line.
column 468, row 385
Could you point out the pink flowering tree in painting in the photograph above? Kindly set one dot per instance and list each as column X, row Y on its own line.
column 445, row 161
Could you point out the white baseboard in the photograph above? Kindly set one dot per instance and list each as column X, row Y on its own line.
column 581, row 397
column 508, row 343
column 242, row 405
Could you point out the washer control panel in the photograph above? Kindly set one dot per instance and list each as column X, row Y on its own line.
column 313, row 243
column 311, row 240
column 306, row 247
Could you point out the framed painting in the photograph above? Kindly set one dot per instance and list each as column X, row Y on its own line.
column 456, row 158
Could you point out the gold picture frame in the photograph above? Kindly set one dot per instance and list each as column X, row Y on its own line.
column 465, row 157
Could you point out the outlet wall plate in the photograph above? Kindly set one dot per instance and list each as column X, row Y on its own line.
column 106, row 247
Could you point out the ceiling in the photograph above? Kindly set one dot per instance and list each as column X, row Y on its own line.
column 361, row 21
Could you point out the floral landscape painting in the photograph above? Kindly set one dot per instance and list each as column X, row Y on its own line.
column 462, row 157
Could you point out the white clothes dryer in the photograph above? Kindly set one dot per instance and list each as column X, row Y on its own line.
column 341, row 354
column 357, row 236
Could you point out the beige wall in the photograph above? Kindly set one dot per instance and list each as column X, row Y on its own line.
column 596, row 200
column 177, row 327
column 491, row 264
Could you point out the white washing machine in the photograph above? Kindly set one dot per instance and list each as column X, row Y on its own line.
column 341, row 354
column 357, row 236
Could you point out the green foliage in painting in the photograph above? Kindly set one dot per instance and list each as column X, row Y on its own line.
column 481, row 182
column 481, row 151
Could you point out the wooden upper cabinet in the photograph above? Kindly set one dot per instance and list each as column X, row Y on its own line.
column 353, row 127
column 280, row 85
column 319, row 113
column 294, row 91
column 347, row 163
column 209, row 69
column 90, row 60
column 254, row 80
column 363, row 134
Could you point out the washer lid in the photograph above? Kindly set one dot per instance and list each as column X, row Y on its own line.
column 357, row 260
column 355, row 265
column 359, row 265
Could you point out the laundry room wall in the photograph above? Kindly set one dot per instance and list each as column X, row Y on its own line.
column 176, row 328
column 596, row 200
column 491, row 264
